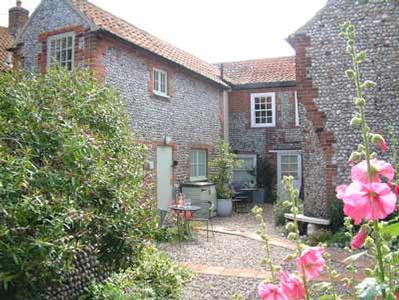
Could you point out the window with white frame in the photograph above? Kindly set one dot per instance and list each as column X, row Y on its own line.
column 198, row 165
column 289, row 165
column 61, row 50
column 160, row 82
column 263, row 110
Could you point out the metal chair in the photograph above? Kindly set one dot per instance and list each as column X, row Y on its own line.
column 240, row 200
column 205, row 216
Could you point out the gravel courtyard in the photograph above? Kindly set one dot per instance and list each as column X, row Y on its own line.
column 237, row 256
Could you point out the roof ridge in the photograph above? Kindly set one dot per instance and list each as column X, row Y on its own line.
column 204, row 65
column 255, row 59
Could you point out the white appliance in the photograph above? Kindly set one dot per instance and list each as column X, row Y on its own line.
column 199, row 193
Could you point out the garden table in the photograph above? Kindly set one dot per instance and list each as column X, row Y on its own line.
column 183, row 212
column 251, row 191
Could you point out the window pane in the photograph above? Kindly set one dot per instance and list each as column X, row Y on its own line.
column 198, row 163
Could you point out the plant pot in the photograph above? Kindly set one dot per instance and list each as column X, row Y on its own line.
column 224, row 207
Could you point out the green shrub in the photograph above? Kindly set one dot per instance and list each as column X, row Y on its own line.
column 336, row 215
column 156, row 277
column 71, row 176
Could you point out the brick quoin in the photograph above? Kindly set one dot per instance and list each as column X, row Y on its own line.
column 306, row 95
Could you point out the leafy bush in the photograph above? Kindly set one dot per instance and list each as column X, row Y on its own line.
column 337, row 215
column 155, row 277
column 71, row 176
column 223, row 165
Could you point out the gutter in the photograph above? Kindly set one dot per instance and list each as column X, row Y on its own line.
column 261, row 85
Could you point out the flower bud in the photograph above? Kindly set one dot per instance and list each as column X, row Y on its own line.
column 379, row 141
column 361, row 57
column 290, row 227
column 356, row 122
column 360, row 101
column 373, row 155
column 350, row 73
column 368, row 84
column 355, row 158
column 291, row 236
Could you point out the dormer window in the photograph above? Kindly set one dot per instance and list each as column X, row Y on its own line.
column 61, row 50
column 160, row 78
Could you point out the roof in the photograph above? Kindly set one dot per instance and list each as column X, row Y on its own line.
column 6, row 41
column 122, row 29
column 260, row 71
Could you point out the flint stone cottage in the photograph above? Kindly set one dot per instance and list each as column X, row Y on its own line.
column 290, row 112
column 326, row 95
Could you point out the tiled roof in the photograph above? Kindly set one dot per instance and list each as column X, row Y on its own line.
column 267, row 70
column 131, row 33
column 6, row 41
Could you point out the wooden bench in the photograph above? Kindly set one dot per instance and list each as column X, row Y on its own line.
column 313, row 223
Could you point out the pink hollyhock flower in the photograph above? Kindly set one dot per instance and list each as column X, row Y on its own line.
column 370, row 201
column 383, row 146
column 379, row 168
column 291, row 286
column 396, row 190
column 270, row 292
column 341, row 191
column 358, row 239
column 311, row 262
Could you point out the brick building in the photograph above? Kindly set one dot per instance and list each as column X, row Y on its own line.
column 181, row 106
column 264, row 121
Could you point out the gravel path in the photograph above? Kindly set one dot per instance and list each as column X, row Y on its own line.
column 229, row 251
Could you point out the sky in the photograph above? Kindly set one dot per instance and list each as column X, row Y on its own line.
column 213, row 30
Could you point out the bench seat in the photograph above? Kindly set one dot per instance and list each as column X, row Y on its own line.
column 311, row 220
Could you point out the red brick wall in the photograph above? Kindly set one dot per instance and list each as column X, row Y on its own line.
column 306, row 95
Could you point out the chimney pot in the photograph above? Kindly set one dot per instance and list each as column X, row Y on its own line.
column 17, row 18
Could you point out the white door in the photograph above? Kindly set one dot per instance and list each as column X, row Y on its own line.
column 289, row 163
column 164, row 177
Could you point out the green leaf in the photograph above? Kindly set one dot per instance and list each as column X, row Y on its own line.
column 355, row 257
column 392, row 229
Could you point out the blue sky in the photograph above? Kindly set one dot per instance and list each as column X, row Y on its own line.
column 214, row 30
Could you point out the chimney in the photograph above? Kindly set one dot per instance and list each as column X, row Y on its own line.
column 17, row 18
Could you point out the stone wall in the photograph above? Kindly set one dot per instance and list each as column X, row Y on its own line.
column 327, row 94
column 284, row 136
column 50, row 16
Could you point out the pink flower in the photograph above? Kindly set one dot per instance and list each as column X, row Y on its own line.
column 358, row 239
column 370, row 201
column 379, row 168
column 311, row 262
column 270, row 292
column 396, row 190
column 383, row 146
column 291, row 286
column 341, row 191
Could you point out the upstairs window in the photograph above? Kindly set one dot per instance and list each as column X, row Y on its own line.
column 198, row 165
column 263, row 110
column 61, row 50
column 160, row 82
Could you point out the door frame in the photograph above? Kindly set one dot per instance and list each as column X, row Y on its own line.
column 173, row 146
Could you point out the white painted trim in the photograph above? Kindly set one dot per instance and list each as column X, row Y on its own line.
column 57, row 37
column 296, row 110
column 158, row 91
column 253, row 123
column 299, row 170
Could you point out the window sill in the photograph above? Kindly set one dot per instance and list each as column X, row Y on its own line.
column 162, row 95
column 263, row 126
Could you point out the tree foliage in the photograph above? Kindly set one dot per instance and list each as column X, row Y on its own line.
column 71, row 176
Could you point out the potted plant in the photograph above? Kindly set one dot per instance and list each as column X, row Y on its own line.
column 223, row 165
